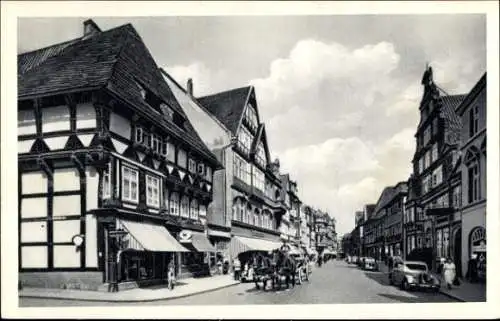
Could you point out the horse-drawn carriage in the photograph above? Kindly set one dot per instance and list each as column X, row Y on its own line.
column 281, row 268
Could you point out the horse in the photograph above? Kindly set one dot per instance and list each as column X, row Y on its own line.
column 285, row 266
column 263, row 271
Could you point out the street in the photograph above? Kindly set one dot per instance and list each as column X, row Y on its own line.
column 334, row 282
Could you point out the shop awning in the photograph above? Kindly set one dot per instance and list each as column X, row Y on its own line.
column 144, row 236
column 199, row 242
column 240, row 244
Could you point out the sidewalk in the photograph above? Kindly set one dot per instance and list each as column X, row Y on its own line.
column 466, row 292
column 185, row 287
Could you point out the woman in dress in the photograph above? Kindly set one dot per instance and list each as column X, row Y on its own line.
column 449, row 272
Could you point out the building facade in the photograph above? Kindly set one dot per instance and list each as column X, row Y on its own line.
column 112, row 176
column 255, row 193
column 219, row 139
column 436, row 156
column 473, row 177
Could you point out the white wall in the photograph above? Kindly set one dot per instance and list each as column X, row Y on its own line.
column 213, row 134
column 34, row 182
column 34, row 257
column 66, row 179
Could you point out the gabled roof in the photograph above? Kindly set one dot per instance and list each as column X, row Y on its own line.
column 453, row 123
column 227, row 106
column 116, row 59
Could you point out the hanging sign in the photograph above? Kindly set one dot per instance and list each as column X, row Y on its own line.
column 185, row 236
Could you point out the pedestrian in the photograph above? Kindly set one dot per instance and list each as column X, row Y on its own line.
column 472, row 268
column 237, row 268
column 449, row 272
column 171, row 276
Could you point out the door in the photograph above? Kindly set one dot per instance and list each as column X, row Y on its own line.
column 457, row 251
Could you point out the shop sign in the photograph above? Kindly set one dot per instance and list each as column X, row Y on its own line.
column 185, row 236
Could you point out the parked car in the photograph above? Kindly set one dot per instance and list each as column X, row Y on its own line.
column 370, row 264
column 414, row 275
column 392, row 261
column 354, row 260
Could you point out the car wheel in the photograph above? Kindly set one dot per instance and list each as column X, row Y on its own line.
column 404, row 285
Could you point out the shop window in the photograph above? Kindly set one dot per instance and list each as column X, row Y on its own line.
column 185, row 206
column 130, row 184
column 203, row 211
column 174, row 204
column 152, row 191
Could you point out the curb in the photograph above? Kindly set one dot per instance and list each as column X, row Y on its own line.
column 452, row 296
column 128, row 300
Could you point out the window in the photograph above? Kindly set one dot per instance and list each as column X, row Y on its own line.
column 139, row 135
column 201, row 169
column 208, row 173
column 182, row 158
column 251, row 115
column 171, row 152
column 130, row 184
column 85, row 116
column 256, row 218
column 434, row 155
column 421, row 165
column 261, row 155
column 106, row 182
column 192, row 166
column 244, row 140
column 425, row 184
column 168, row 113
column 437, row 176
column 164, row 148
column 166, row 200
column 435, row 126
column 203, row 211
column 55, row 119
column 152, row 191
column 241, row 169
column 457, row 197
column 473, row 181
column 194, row 210
column 155, row 143
column 185, row 206
column 174, row 204
column 473, row 121
column 26, row 122
column 428, row 161
column 427, row 135
column 258, row 179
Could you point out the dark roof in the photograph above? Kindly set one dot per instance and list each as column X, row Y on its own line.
column 227, row 106
column 478, row 87
column 116, row 59
column 453, row 123
column 383, row 199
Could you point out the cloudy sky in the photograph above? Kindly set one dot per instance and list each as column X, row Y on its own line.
column 339, row 94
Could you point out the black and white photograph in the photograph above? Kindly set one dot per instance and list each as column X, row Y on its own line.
column 252, row 159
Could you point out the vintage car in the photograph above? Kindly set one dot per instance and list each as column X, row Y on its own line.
column 414, row 275
column 370, row 264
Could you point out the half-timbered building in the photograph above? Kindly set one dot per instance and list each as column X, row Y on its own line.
column 257, row 206
column 112, row 175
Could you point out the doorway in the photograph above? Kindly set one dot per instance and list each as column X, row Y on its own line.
column 457, row 251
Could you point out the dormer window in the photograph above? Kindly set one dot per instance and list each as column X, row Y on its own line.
column 167, row 111
column 139, row 135
column 208, row 173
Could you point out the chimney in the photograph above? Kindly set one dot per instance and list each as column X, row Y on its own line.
column 90, row 28
column 189, row 87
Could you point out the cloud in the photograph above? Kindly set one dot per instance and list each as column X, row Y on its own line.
column 341, row 119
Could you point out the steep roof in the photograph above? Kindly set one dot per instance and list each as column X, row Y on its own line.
column 227, row 106
column 452, row 121
column 116, row 59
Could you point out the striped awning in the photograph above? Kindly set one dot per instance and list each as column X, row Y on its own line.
column 240, row 244
column 200, row 243
column 144, row 236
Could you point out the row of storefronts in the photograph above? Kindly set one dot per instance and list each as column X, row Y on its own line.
column 441, row 208
column 129, row 177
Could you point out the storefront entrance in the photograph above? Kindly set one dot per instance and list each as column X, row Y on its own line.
column 143, row 265
column 477, row 247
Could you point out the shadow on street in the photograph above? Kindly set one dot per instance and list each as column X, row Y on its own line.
column 379, row 277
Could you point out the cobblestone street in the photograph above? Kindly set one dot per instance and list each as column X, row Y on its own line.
column 335, row 282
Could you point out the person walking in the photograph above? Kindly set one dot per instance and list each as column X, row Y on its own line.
column 237, row 268
column 171, row 276
column 449, row 272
